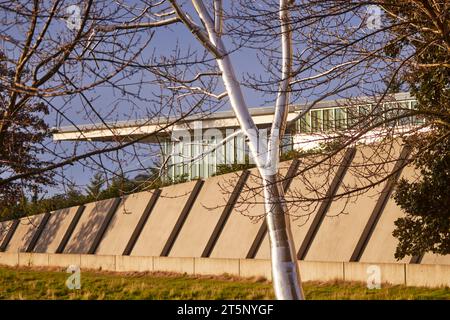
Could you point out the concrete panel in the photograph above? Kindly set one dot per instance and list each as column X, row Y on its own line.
column 255, row 268
column 54, row 230
column 430, row 258
column 304, row 188
column 244, row 222
column 173, row 264
column 382, row 244
column 9, row 259
column 33, row 259
column 204, row 215
column 211, row 266
column 123, row 223
column 392, row 273
column 98, row 262
column 89, row 224
column 321, row 271
column 133, row 263
column 4, row 228
column 64, row 260
column 427, row 275
column 162, row 219
column 346, row 218
column 24, row 233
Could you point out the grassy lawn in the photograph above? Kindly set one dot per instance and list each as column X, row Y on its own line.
column 25, row 283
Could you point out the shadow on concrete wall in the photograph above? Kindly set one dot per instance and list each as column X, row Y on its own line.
column 51, row 230
column 31, row 224
column 89, row 224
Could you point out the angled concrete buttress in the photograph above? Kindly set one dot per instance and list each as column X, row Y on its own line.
column 204, row 216
column 244, row 222
column 382, row 234
column 54, row 230
column 346, row 218
column 162, row 220
column 86, row 231
column 306, row 186
column 123, row 223
column 24, row 233
column 7, row 229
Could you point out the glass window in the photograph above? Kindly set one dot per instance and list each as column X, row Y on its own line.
column 340, row 118
column 352, row 116
column 229, row 151
column 194, row 164
column 364, row 115
column 316, row 120
column 286, row 143
column 240, row 148
column 405, row 112
column 391, row 112
column 305, row 123
column 328, row 119
column 179, row 159
column 378, row 114
column 417, row 120
column 212, row 157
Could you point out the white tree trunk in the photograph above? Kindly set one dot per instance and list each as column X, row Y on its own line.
column 285, row 273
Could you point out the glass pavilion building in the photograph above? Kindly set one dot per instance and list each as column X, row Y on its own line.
column 192, row 149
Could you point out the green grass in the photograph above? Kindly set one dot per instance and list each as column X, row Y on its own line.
column 25, row 283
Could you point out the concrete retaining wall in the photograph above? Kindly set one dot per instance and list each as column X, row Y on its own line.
column 430, row 258
column 207, row 266
column 393, row 273
column 427, row 275
column 350, row 231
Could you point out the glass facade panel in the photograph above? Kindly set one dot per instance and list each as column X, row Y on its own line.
column 305, row 123
column 391, row 114
column 416, row 120
column 316, row 120
column 229, row 150
column 194, row 165
column 405, row 112
column 328, row 119
column 212, row 157
column 378, row 114
column 340, row 118
column 352, row 117
column 319, row 120
column 240, row 148
column 364, row 115
column 287, row 143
